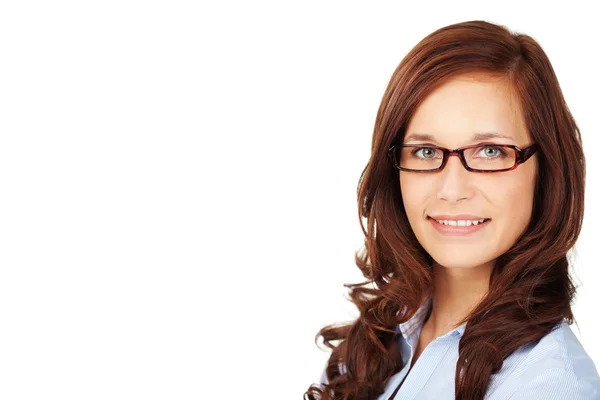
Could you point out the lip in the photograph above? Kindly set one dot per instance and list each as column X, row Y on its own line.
column 449, row 230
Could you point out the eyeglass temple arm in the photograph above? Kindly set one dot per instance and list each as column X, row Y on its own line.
column 528, row 152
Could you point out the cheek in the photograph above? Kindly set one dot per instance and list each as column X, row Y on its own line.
column 414, row 192
column 513, row 198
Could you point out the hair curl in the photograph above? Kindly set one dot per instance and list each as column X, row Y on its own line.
column 530, row 289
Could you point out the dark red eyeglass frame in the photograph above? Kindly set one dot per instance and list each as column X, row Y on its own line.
column 521, row 156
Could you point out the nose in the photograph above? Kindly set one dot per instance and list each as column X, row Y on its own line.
column 454, row 184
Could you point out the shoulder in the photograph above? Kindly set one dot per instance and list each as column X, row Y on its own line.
column 560, row 348
column 558, row 384
column 556, row 367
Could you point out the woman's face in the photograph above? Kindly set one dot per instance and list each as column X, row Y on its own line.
column 452, row 114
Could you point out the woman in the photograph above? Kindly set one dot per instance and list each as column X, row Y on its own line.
column 468, row 254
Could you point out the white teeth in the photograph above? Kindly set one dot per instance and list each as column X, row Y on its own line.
column 461, row 222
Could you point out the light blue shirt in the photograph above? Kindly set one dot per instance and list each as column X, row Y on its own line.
column 555, row 368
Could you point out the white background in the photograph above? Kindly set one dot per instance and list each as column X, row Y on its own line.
column 178, row 184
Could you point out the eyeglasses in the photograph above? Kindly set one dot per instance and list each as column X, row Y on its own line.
column 475, row 158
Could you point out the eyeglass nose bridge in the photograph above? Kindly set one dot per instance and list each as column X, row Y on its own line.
column 459, row 153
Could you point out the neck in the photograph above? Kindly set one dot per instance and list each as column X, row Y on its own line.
column 457, row 291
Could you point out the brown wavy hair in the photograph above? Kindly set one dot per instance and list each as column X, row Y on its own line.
column 530, row 290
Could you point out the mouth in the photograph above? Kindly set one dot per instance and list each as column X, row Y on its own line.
column 452, row 227
column 460, row 223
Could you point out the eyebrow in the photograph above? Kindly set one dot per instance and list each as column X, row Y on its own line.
column 476, row 136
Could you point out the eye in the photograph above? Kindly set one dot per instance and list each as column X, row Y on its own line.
column 428, row 152
column 493, row 151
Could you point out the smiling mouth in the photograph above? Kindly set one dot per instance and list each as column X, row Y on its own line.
column 464, row 223
column 463, row 230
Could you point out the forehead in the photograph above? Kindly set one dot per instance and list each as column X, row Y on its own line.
column 469, row 105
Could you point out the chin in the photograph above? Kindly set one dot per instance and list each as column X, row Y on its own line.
column 458, row 260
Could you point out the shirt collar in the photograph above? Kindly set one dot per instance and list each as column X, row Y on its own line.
column 409, row 327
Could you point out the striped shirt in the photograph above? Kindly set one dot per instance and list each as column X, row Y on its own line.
column 557, row 367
